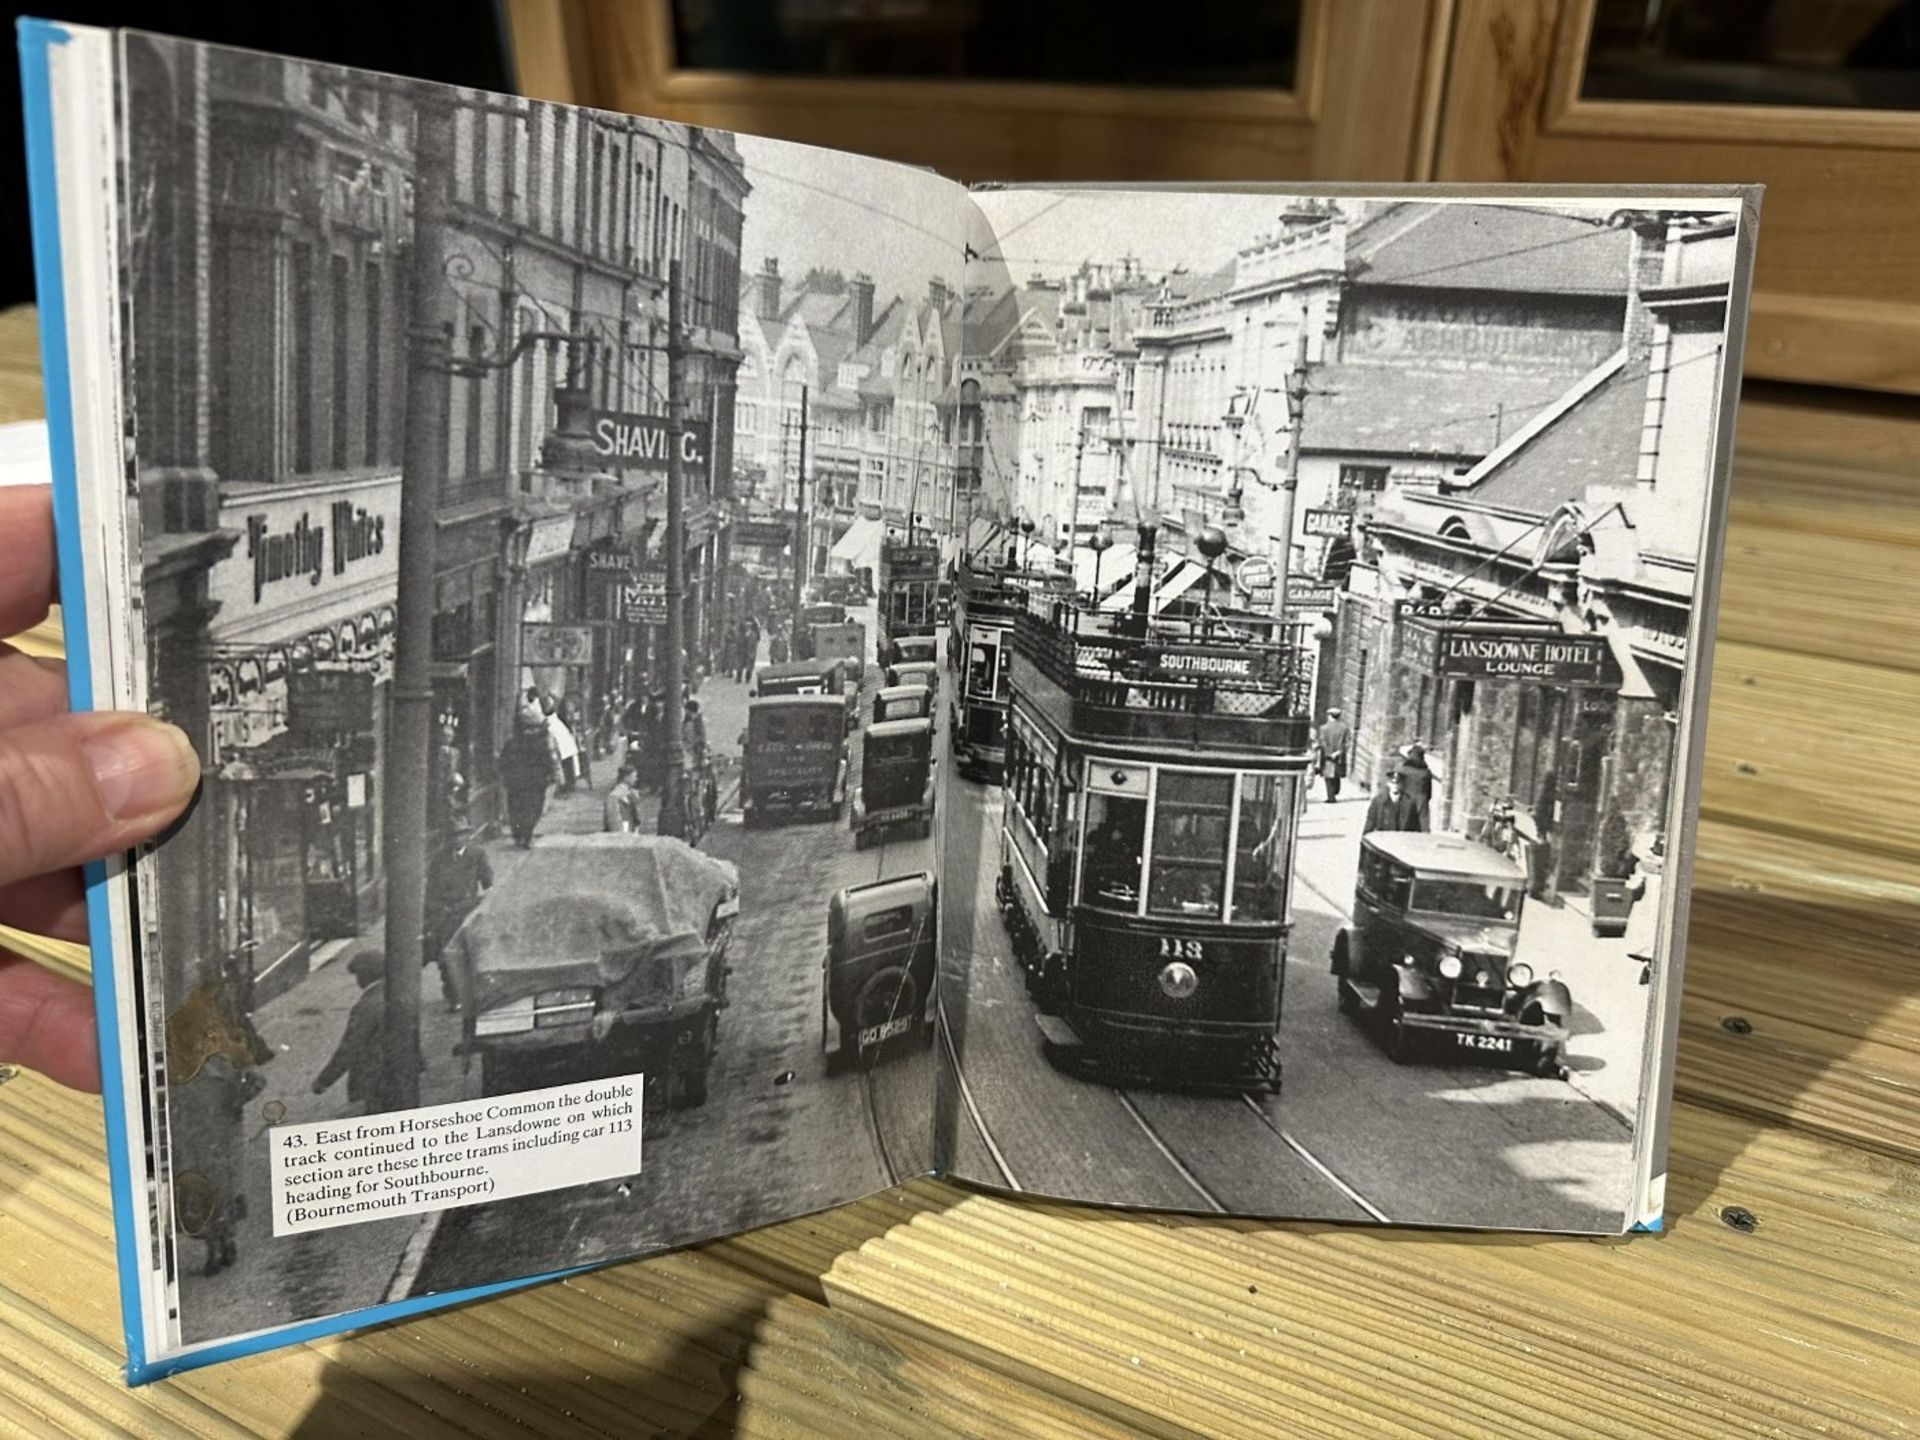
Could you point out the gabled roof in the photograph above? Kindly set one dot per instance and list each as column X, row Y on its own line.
column 820, row 309
column 1384, row 410
column 1591, row 436
column 1488, row 247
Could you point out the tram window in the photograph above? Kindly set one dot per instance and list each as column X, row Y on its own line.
column 1192, row 816
column 1116, row 835
column 1262, row 848
column 981, row 663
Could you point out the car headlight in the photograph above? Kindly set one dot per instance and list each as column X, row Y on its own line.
column 1519, row 973
column 1179, row 981
column 1450, row 967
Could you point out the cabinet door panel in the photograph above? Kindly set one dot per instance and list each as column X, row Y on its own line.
column 1360, row 105
column 1837, row 289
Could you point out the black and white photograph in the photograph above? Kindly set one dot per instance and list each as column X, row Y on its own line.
column 512, row 485
column 1322, row 692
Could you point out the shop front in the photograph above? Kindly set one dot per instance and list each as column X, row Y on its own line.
column 300, row 655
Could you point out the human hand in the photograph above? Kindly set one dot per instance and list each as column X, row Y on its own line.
column 72, row 788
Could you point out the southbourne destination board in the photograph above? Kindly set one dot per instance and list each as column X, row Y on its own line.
column 731, row 676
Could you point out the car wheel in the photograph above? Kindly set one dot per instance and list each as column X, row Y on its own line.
column 1399, row 1039
column 500, row 1074
column 887, row 995
column 693, row 1088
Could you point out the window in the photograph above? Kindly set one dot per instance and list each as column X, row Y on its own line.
column 370, row 281
column 1261, row 847
column 337, row 397
column 1191, row 819
column 1356, row 480
column 1116, row 836
column 1474, row 899
column 302, row 338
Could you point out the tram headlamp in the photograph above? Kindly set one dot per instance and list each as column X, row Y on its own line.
column 1178, row 980
column 1519, row 973
column 1450, row 967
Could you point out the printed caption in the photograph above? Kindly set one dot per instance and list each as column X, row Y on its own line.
column 408, row 1162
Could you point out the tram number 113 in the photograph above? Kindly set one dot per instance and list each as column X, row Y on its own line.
column 1172, row 948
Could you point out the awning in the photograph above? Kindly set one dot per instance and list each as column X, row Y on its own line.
column 1176, row 582
column 1113, row 566
column 860, row 546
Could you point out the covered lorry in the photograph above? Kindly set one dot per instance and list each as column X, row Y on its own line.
column 595, row 956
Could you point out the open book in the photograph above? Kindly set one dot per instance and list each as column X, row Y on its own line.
column 1192, row 697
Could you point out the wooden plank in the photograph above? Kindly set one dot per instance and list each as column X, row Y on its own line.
column 1828, row 427
column 1808, row 591
column 1800, row 1327
column 1813, row 747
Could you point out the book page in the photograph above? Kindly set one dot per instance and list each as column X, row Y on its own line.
column 1334, row 633
column 509, row 492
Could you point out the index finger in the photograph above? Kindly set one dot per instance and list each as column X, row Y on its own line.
column 26, row 557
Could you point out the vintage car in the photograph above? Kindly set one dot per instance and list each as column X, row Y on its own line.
column 827, row 675
column 877, row 984
column 896, row 781
column 845, row 641
column 911, row 648
column 916, row 672
column 840, row 589
column 793, row 758
column 595, row 956
column 821, row 612
column 1430, row 953
column 902, row 702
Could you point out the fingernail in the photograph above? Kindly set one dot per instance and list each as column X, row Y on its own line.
column 141, row 766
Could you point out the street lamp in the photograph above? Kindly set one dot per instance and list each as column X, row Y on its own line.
column 1212, row 544
column 1099, row 543
column 1026, row 539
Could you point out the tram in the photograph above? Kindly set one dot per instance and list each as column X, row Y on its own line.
column 909, row 580
column 979, row 644
column 1152, row 783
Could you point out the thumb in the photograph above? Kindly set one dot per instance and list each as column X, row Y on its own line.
column 76, row 787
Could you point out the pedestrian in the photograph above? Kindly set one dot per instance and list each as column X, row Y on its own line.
column 1543, row 855
column 1644, row 885
column 565, row 748
column 458, row 874
column 1417, row 780
column 777, row 647
column 527, row 766
column 750, row 650
column 620, row 812
column 361, row 1055
column 575, row 722
column 213, row 1056
column 605, row 723
column 730, row 651
column 1391, row 808
column 1331, row 751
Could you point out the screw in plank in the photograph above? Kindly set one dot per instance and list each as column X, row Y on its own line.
column 1737, row 1025
column 1738, row 1217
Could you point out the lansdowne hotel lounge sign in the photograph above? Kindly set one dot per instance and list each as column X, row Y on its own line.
column 1541, row 656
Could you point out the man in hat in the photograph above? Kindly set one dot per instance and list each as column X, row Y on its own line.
column 1331, row 749
column 1417, row 780
column 361, row 1055
column 1390, row 809
column 527, row 767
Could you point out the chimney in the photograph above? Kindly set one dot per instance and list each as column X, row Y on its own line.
column 938, row 294
column 769, row 306
column 1646, row 262
column 862, row 308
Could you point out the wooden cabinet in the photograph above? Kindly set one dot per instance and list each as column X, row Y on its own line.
column 1574, row 91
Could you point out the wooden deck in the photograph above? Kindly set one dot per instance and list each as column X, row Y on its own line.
column 937, row 1311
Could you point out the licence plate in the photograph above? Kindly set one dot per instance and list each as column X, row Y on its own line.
column 877, row 1034
column 1498, row 1044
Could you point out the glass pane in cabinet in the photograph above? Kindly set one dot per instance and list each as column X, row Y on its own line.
column 1859, row 54
column 1195, row 44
